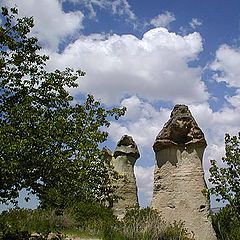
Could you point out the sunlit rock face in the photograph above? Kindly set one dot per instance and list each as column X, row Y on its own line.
column 123, row 160
column 178, row 177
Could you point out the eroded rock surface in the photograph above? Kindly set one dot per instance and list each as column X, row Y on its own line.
column 178, row 177
column 124, row 158
column 180, row 130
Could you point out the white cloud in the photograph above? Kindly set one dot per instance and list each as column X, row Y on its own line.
column 116, row 7
column 144, row 177
column 142, row 121
column 163, row 20
column 226, row 69
column 195, row 22
column 226, row 120
column 52, row 24
column 226, row 66
column 215, row 125
column 154, row 67
column 234, row 100
column 122, row 7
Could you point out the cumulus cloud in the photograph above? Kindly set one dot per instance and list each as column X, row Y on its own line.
column 52, row 24
column 215, row 125
column 235, row 99
column 156, row 67
column 163, row 20
column 142, row 121
column 144, row 178
column 226, row 65
column 226, row 120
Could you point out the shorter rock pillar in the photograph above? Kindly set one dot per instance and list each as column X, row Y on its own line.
column 124, row 158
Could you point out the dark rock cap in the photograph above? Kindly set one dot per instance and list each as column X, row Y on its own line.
column 180, row 130
column 126, row 146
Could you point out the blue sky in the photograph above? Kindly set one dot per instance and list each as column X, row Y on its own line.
column 148, row 55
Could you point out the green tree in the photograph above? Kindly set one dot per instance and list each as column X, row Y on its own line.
column 226, row 180
column 49, row 144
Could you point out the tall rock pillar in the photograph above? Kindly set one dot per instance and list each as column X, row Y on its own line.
column 178, row 177
column 124, row 158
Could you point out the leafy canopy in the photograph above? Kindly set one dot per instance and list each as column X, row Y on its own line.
column 48, row 142
column 226, row 180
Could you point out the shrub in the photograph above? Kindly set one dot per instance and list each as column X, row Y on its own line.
column 13, row 224
column 92, row 217
column 227, row 223
column 22, row 222
column 89, row 219
column 176, row 231
column 90, row 212
column 82, row 218
column 145, row 224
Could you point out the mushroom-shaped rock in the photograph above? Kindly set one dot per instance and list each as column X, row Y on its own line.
column 126, row 146
column 178, row 177
column 124, row 158
column 180, row 130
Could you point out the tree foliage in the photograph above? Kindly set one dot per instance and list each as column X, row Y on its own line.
column 226, row 223
column 48, row 142
column 226, row 180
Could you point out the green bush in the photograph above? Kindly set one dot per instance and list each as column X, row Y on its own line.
column 23, row 222
column 92, row 218
column 176, row 231
column 89, row 219
column 82, row 218
column 227, row 223
column 145, row 224
column 90, row 212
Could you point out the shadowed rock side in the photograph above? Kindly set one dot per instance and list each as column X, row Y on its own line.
column 178, row 177
column 124, row 158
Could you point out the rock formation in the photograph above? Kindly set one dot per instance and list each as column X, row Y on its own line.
column 178, row 177
column 123, row 160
